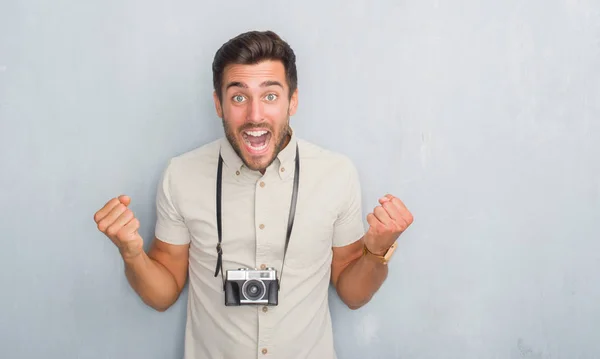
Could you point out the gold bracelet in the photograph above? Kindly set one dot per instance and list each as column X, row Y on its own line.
column 384, row 258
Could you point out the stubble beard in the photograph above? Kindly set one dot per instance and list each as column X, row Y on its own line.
column 283, row 132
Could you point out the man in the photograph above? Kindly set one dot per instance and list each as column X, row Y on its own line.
column 255, row 94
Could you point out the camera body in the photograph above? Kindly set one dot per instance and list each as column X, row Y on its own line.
column 246, row 286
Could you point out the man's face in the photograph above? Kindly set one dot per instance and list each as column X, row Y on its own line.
column 256, row 110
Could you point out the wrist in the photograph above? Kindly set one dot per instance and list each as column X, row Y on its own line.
column 376, row 252
column 132, row 258
column 383, row 256
column 374, row 249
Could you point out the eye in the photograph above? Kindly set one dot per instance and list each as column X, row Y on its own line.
column 238, row 98
column 271, row 97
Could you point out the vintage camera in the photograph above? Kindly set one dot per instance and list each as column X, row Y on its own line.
column 251, row 286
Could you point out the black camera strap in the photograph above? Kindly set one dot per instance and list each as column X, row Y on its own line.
column 291, row 216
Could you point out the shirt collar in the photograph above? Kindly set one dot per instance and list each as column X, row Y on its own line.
column 232, row 161
column 283, row 163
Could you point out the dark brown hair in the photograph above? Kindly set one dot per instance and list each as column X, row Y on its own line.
column 251, row 48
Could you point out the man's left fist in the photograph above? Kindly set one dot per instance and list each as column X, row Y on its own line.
column 386, row 223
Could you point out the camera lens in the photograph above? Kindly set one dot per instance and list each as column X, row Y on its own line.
column 253, row 289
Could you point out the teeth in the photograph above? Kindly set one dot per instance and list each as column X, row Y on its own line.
column 255, row 133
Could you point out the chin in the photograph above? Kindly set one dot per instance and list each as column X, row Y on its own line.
column 258, row 147
column 259, row 162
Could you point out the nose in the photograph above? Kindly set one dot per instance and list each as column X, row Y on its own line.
column 255, row 111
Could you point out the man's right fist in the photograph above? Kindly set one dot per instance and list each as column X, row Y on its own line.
column 119, row 224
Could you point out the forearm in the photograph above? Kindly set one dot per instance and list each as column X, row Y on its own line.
column 155, row 285
column 360, row 280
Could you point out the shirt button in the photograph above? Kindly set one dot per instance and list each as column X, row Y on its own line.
column 263, row 266
column 265, row 309
column 282, row 169
column 237, row 173
column 265, row 351
column 262, row 226
column 262, row 184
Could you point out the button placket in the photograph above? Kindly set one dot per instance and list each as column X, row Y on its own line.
column 264, row 330
column 263, row 190
column 262, row 244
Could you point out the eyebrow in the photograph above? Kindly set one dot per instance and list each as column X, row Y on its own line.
column 263, row 84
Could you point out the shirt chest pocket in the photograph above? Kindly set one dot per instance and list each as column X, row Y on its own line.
column 311, row 240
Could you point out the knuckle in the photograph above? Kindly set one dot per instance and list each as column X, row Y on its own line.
column 112, row 231
column 102, row 226
column 121, row 233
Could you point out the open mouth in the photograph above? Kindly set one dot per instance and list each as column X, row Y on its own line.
column 256, row 141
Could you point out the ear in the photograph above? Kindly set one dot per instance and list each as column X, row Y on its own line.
column 293, row 103
column 218, row 107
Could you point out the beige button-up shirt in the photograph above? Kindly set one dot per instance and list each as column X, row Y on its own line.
column 255, row 211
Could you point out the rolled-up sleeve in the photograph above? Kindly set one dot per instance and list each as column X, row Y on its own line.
column 349, row 225
column 170, row 225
